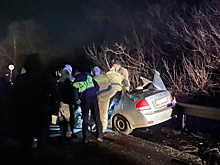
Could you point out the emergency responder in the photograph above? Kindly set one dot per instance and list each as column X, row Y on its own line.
column 66, row 101
column 103, row 96
column 124, row 72
column 86, row 89
column 118, row 83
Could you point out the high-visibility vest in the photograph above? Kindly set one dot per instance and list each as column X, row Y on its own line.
column 84, row 85
column 115, row 79
column 103, row 82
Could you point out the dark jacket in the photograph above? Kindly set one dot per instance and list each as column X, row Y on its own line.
column 66, row 92
column 30, row 97
column 90, row 92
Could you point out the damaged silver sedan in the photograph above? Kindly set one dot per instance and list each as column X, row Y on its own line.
column 143, row 107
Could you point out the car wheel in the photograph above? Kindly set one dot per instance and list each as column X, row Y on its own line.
column 122, row 125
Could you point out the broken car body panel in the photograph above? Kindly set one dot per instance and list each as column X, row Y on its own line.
column 159, row 102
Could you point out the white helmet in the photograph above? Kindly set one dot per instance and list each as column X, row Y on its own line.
column 97, row 70
column 67, row 68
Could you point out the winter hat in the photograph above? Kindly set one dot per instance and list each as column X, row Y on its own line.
column 117, row 62
column 97, row 70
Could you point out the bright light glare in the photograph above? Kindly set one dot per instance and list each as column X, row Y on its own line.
column 11, row 67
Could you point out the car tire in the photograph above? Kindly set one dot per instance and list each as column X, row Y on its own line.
column 122, row 125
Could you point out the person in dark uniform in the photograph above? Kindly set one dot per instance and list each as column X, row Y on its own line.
column 86, row 90
column 30, row 94
column 67, row 101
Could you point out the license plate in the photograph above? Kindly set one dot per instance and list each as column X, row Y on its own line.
column 161, row 101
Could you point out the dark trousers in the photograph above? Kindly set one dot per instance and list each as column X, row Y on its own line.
column 34, row 122
column 92, row 104
column 72, row 118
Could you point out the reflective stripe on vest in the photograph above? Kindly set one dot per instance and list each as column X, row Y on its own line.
column 102, row 80
column 104, row 96
column 83, row 85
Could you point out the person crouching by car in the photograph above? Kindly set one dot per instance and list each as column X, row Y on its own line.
column 67, row 101
column 86, row 89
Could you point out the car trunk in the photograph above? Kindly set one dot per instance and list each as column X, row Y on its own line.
column 155, row 93
column 156, row 99
column 159, row 100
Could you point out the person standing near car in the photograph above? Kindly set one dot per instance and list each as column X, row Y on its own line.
column 66, row 101
column 122, row 71
column 30, row 96
column 86, row 89
column 103, row 96
column 118, row 76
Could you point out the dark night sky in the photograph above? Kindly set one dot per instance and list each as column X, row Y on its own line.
column 59, row 18
column 69, row 22
column 74, row 23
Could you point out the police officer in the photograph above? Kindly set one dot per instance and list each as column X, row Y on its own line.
column 86, row 90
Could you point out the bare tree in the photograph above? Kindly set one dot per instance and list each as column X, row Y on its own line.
column 135, row 62
column 182, row 44
column 22, row 39
column 100, row 56
column 188, row 47
column 4, row 54
column 198, row 40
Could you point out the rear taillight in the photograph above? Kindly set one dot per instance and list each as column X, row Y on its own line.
column 142, row 105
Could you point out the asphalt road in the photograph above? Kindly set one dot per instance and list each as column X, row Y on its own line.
column 115, row 149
